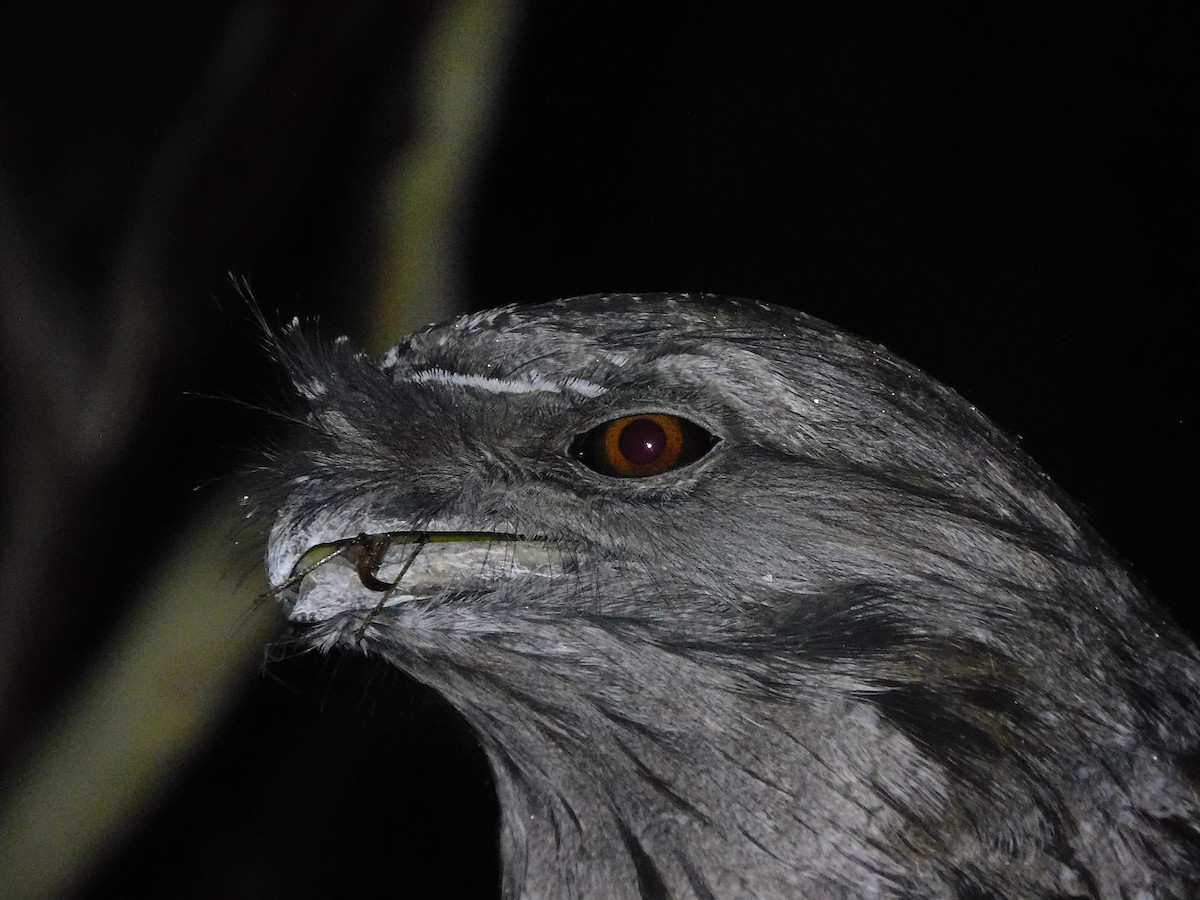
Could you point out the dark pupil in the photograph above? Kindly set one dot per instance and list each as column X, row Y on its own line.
column 642, row 441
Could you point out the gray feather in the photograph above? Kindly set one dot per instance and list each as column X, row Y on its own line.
column 861, row 648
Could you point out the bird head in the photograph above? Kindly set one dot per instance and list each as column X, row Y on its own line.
column 735, row 601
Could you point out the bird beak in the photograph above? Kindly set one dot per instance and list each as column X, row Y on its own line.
column 377, row 570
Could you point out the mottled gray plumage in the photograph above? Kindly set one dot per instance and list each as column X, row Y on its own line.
column 861, row 648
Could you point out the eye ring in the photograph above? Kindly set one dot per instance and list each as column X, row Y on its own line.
column 642, row 445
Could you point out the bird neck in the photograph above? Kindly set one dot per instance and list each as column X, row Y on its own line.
column 677, row 782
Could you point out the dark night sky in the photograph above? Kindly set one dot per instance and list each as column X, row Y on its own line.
column 1007, row 201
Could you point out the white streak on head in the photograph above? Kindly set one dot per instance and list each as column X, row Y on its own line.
column 530, row 383
column 584, row 387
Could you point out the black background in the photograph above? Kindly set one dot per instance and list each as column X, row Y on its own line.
column 1008, row 200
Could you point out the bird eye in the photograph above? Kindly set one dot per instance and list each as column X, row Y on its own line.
column 642, row 445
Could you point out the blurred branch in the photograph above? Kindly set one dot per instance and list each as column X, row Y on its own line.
column 37, row 395
column 135, row 295
column 424, row 198
column 163, row 682
column 156, row 690
column 78, row 394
